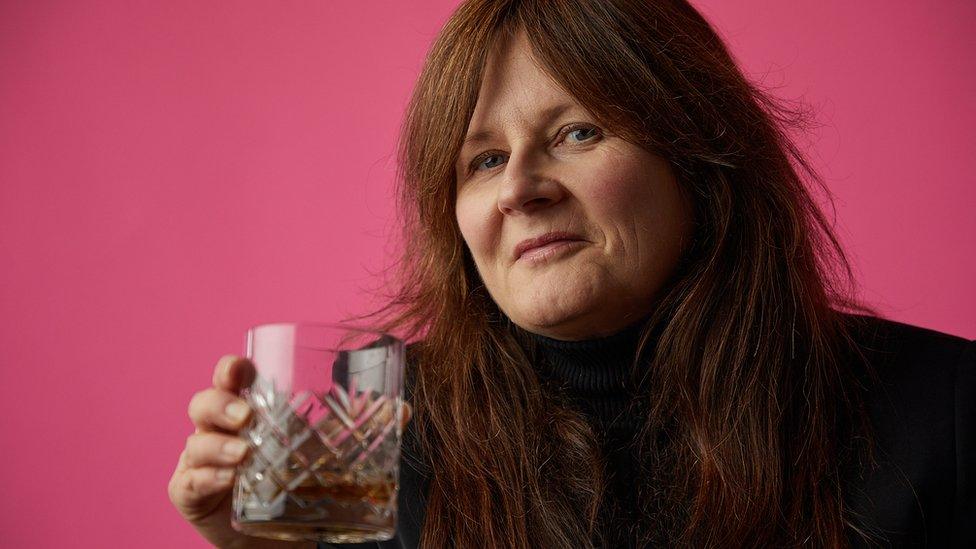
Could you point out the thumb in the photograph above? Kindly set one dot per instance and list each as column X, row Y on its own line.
column 234, row 373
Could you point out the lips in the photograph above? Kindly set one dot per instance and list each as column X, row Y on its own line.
column 530, row 244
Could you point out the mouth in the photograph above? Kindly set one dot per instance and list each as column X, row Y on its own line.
column 541, row 248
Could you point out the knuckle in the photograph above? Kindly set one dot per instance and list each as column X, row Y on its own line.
column 181, row 465
column 188, row 486
column 194, row 447
column 171, row 489
column 192, row 409
column 181, row 489
column 200, row 405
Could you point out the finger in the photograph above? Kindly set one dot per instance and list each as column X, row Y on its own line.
column 193, row 487
column 233, row 373
column 218, row 410
column 214, row 450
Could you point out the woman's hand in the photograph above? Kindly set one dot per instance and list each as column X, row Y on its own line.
column 201, row 485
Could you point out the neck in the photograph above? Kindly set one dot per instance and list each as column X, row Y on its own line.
column 597, row 375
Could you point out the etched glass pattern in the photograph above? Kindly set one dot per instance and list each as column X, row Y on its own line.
column 323, row 463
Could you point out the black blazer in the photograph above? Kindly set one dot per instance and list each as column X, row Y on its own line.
column 923, row 412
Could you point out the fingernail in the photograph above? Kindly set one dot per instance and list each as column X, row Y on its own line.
column 223, row 475
column 236, row 411
column 235, row 448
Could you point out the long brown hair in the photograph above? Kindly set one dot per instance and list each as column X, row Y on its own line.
column 750, row 378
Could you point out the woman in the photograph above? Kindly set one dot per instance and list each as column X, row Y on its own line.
column 633, row 331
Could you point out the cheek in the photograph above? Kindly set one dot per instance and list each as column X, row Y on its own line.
column 619, row 181
column 474, row 221
column 616, row 193
column 635, row 198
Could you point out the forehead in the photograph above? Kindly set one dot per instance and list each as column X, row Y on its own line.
column 545, row 114
column 515, row 90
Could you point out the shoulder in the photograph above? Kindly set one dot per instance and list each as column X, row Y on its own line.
column 916, row 366
column 922, row 378
column 893, row 345
column 921, row 403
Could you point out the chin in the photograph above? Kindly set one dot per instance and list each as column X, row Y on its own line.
column 541, row 315
column 550, row 302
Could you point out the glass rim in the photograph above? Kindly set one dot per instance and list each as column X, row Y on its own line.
column 351, row 327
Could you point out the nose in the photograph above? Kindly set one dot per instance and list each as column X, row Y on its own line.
column 527, row 186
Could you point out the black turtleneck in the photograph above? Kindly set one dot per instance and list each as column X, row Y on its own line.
column 599, row 377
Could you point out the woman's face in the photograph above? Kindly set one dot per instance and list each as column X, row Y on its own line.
column 573, row 230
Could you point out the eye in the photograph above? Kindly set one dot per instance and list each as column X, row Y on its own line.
column 485, row 159
column 587, row 132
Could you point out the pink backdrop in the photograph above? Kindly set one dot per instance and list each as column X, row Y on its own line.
column 174, row 172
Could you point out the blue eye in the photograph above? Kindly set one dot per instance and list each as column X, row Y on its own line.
column 482, row 161
column 583, row 129
column 589, row 132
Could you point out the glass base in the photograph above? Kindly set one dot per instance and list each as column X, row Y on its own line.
column 304, row 531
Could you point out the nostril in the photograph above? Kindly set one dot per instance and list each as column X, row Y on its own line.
column 527, row 194
column 526, row 206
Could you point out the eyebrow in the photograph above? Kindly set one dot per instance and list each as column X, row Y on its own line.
column 547, row 115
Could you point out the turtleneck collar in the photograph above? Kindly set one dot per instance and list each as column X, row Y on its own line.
column 600, row 365
column 596, row 374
